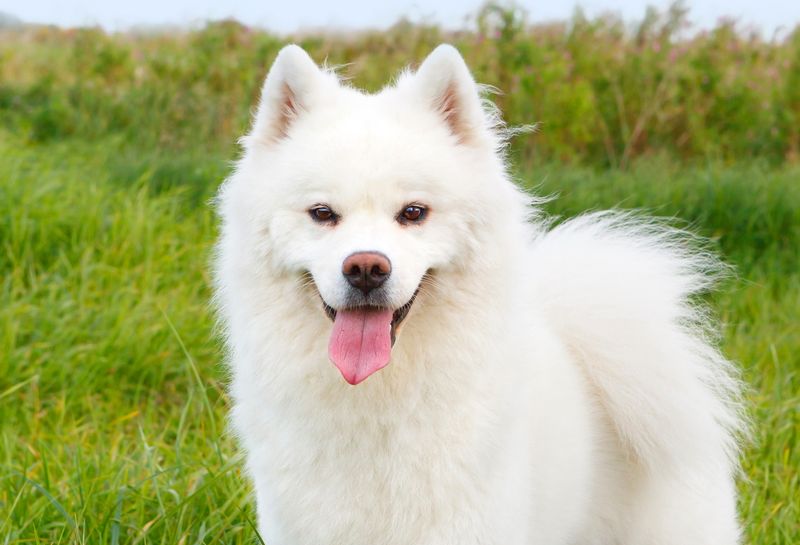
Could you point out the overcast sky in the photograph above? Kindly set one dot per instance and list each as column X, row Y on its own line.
column 287, row 16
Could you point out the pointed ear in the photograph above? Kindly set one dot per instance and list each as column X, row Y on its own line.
column 446, row 85
column 289, row 90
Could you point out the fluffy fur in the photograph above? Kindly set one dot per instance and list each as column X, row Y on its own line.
column 549, row 385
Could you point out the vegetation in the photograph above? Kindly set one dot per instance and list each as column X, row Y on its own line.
column 605, row 92
column 112, row 391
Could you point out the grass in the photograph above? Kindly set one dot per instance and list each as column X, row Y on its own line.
column 112, row 399
column 108, row 422
column 112, row 391
column 606, row 91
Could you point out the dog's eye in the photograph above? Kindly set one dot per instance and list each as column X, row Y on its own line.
column 413, row 213
column 323, row 214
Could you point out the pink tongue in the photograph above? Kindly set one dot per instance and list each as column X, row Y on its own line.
column 361, row 342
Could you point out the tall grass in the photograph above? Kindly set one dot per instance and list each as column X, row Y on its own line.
column 112, row 397
column 605, row 92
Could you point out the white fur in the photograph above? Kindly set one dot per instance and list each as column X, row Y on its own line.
column 549, row 386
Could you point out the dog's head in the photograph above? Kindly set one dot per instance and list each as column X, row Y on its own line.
column 364, row 197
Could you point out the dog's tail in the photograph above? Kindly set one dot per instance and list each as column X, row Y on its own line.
column 622, row 293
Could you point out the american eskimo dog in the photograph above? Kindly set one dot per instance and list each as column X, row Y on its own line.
column 419, row 359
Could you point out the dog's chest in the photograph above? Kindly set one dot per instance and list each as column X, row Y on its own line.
column 362, row 477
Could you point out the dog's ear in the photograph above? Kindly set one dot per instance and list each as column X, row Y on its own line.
column 289, row 90
column 446, row 85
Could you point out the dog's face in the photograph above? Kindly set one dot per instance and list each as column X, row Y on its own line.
column 366, row 196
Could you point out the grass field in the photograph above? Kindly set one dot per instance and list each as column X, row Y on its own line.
column 112, row 388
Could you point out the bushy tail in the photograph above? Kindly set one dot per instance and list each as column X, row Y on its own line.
column 621, row 292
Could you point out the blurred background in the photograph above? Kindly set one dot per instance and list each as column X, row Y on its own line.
column 118, row 122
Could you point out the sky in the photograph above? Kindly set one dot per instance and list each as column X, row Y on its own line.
column 288, row 16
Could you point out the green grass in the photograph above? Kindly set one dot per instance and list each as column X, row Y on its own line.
column 606, row 91
column 112, row 399
column 108, row 425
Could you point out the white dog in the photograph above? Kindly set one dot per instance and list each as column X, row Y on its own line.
column 417, row 361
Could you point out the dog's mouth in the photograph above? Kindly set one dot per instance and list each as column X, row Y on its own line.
column 397, row 316
column 363, row 336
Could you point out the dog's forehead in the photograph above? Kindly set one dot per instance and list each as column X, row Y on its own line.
column 359, row 151
column 374, row 126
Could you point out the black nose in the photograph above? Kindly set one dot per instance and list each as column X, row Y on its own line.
column 366, row 270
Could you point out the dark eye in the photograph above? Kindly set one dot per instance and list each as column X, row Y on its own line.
column 413, row 213
column 323, row 214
